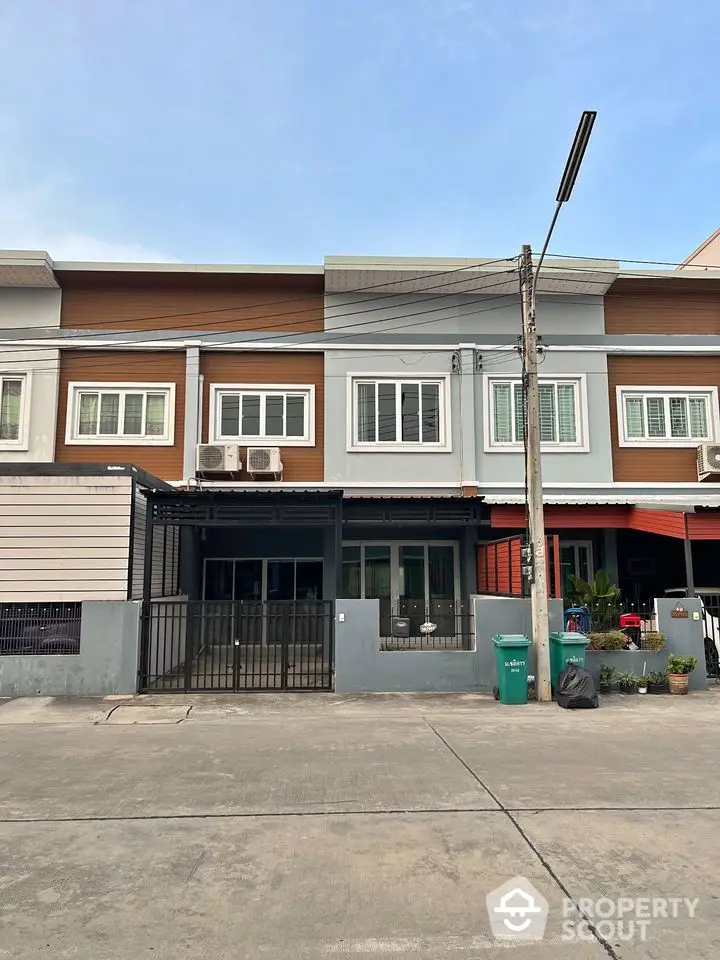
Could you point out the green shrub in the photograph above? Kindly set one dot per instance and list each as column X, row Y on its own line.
column 653, row 641
column 627, row 679
column 658, row 678
column 609, row 640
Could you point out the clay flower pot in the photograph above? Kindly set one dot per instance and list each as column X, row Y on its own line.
column 678, row 683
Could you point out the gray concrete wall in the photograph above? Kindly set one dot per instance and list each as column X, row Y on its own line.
column 107, row 662
column 470, row 316
column 360, row 666
column 685, row 637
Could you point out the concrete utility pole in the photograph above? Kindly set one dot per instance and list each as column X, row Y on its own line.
column 533, row 476
column 536, row 565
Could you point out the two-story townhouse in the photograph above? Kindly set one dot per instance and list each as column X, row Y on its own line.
column 425, row 393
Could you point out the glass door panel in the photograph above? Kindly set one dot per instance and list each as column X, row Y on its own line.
column 351, row 573
column 441, row 588
column 248, row 579
column 218, row 580
column 309, row 580
column 280, row 580
column 413, row 584
column 378, row 581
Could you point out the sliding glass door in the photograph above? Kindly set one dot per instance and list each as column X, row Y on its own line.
column 412, row 579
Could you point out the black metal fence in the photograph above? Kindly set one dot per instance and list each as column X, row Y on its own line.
column 711, row 623
column 39, row 629
column 413, row 626
column 236, row 646
column 639, row 625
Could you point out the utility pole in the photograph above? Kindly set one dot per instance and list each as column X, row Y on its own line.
column 535, row 560
column 533, row 480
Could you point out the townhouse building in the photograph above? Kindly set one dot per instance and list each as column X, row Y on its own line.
column 245, row 437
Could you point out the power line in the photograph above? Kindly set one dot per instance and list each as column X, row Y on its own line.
column 327, row 338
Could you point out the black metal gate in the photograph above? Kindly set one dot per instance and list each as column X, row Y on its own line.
column 711, row 622
column 192, row 646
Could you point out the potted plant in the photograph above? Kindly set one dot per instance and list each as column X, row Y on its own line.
column 678, row 673
column 642, row 684
column 653, row 641
column 607, row 673
column 627, row 681
column 607, row 640
column 658, row 682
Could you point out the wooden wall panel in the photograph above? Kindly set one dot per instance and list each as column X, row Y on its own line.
column 300, row 464
column 670, row 464
column 196, row 303
column 118, row 366
column 666, row 306
column 64, row 538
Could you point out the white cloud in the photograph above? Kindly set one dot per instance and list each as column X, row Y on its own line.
column 34, row 218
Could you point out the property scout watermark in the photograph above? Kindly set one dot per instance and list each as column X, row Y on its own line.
column 518, row 911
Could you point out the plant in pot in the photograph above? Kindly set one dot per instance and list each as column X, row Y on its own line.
column 607, row 674
column 678, row 673
column 627, row 681
column 658, row 682
column 653, row 641
column 642, row 684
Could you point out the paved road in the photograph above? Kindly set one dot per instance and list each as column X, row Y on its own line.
column 360, row 827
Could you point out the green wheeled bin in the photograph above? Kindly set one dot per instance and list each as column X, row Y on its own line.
column 566, row 648
column 511, row 658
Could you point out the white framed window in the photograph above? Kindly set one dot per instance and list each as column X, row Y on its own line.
column 398, row 413
column 563, row 414
column 667, row 416
column 121, row 414
column 14, row 411
column 263, row 413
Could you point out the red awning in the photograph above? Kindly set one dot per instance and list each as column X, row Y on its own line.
column 667, row 523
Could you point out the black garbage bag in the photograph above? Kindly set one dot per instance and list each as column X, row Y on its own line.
column 576, row 689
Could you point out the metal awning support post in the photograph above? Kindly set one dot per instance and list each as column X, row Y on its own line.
column 689, row 573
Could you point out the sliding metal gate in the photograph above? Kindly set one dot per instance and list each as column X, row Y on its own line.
column 190, row 646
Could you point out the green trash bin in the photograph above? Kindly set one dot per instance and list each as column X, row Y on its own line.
column 566, row 648
column 511, row 658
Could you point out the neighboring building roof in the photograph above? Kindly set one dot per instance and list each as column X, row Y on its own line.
column 32, row 469
column 707, row 254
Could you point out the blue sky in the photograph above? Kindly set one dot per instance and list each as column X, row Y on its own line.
column 284, row 130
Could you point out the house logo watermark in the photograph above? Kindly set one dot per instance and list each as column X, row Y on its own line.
column 517, row 911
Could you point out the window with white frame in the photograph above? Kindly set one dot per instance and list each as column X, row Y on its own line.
column 13, row 429
column 405, row 413
column 667, row 416
column 273, row 414
column 560, row 412
column 113, row 413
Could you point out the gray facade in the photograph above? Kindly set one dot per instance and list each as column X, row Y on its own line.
column 473, row 341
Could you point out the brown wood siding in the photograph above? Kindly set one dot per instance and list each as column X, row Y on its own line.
column 191, row 302
column 670, row 464
column 118, row 366
column 668, row 306
column 300, row 464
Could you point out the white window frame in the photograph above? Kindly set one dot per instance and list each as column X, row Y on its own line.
column 306, row 389
column 581, row 444
column 709, row 393
column 23, row 440
column 74, row 438
column 443, row 445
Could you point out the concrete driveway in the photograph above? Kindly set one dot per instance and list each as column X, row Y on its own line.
column 321, row 826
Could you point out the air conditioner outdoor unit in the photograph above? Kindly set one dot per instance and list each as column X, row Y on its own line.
column 262, row 461
column 708, row 460
column 217, row 458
